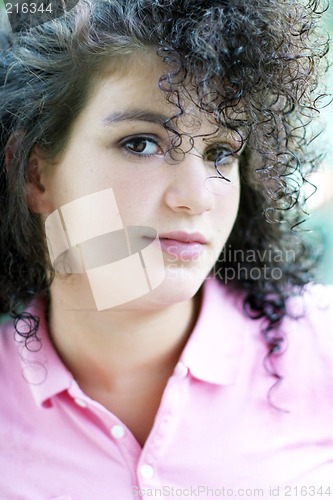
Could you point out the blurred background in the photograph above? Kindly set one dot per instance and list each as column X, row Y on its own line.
column 321, row 204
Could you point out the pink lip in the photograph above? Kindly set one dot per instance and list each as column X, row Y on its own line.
column 181, row 245
column 184, row 237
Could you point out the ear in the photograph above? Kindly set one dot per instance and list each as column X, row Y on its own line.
column 36, row 195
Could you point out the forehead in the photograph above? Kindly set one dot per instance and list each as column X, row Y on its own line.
column 129, row 91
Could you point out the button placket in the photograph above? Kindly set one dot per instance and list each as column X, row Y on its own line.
column 117, row 431
column 113, row 429
column 147, row 474
column 146, row 471
column 80, row 402
column 180, row 370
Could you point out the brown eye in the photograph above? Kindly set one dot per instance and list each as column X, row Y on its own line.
column 218, row 155
column 142, row 146
column 225, row 162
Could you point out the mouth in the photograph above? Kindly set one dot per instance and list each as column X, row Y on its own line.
column 181, row 245
column 183, row 237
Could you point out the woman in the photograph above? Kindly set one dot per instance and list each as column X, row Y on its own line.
column 152, row 158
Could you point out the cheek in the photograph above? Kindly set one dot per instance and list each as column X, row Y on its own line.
column 227, row 204
column 226, row 211
column 138, row 190
column 136, row 202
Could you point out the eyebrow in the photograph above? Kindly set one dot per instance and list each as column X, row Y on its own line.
column 135, row 115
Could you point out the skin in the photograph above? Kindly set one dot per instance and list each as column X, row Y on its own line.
column 124, row 356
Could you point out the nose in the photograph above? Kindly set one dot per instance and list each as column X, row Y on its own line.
column 186, row 191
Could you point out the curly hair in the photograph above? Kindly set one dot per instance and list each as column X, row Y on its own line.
column 252, row 66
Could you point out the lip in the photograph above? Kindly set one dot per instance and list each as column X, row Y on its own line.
column 184, row 237
column 181, row 245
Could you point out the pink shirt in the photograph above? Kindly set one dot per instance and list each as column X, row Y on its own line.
column 215, row 433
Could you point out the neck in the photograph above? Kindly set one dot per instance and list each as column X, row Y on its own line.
column 102, row 348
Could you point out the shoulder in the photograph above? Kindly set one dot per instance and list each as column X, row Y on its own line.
column 7, row 339
column 312, row 305
column 313, row 308
column 10, row 365
column 307, row 325
column 15, row 347
column 307, row 359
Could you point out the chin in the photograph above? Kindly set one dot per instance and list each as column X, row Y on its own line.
column 179, row 285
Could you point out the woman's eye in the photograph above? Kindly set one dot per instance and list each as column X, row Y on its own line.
column 142, row 146
column 219, row 156
column 224, row 161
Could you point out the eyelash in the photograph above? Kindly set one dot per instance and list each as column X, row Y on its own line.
column 124, row 144
column 222, row 153
column 226, row 151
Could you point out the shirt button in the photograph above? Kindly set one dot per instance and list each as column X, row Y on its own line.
column 80, row 402
column 146, row 471
column 117, row 431
column 181, row 370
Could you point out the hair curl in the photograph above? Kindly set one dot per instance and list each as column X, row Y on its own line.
column 253, row 66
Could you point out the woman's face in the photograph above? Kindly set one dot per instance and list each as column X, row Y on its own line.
column 118, row 142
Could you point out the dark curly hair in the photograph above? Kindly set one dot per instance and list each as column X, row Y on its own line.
column 252, row 66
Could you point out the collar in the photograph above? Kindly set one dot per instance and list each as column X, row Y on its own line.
column 212, row 353
column 41, row 365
